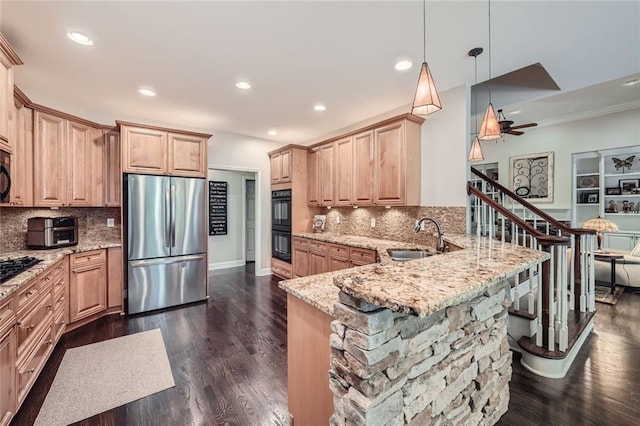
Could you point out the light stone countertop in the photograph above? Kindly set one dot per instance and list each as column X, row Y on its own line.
column 48, row 257
column 420, row 286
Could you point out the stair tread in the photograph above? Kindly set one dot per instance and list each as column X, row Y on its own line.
column 576, row 323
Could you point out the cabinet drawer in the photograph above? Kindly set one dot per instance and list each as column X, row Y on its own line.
column 360, row 256
column 282, row 271
column 7, row 313
column 57, row 269
column 27, row 294
column 28, row 370
column 59, row 303
column 300, row 242
column 58, row 287
column 318, row 247
column 31, row 322
column 88, row 257
column 338, row 251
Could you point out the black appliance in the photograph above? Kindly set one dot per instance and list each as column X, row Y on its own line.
column 12, row 267
column 281, row 225
column 5, row 176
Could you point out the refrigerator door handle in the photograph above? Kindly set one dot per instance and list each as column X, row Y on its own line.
column 165, row 261
column 173, row 215
column 167, row 224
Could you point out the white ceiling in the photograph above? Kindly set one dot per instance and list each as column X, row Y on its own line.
column 298, row 53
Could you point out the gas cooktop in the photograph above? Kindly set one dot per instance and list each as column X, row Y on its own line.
column 12, row 267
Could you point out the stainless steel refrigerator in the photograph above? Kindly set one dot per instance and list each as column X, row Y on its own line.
column 166, row 221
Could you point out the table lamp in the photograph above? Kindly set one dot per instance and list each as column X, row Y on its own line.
column 600, row 225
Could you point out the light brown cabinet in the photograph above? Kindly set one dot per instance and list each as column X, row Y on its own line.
column 7, row 361
column 343, row 182
column 112, row 169
column 313, row 196
column 21, row 133
column 312, row 257
column 114, row 267
column 378, row 165
column 397, row 164
column 158, row 151
column 8, row 59
column 87, row 284
column 68, row 162
column 281, row 166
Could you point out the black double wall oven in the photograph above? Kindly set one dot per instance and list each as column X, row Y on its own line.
column 281, row 225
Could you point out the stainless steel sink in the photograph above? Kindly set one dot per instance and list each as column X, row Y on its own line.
column 401, row 255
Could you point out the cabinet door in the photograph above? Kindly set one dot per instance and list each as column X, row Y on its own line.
column 143, row 150
column 344, row 172
column 312, row 178
column 285, row 166
column 6, row 104
column 326, row 174
column 187, row 155
column 22, row 159
column 98, row 159
column 317, row 263
column 79, row 164
column 276, row 168
column 112, row 172
column 336, row 264
column 389, row 165
column 300, row 261
column 87, row 288
column 114, row 262
column 363, row 150
column 7, row 375
column 49, row 160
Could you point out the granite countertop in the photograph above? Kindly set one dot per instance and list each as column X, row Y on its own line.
column 420, row 286
column 48, row 257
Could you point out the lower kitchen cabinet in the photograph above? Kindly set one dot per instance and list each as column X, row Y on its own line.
column 87, row 284
column 312, row 257
column 7, row 372
column 29, row 366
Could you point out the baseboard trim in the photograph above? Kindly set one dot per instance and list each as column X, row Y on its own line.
column 264, row 271
column 225, row 265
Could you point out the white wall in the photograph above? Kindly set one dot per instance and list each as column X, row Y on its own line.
column 238, row 152
column 226, row 251
column 614, row 130
column 445, row 144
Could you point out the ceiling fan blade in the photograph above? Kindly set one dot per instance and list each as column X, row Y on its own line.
column 524, row 126
column 514, row 132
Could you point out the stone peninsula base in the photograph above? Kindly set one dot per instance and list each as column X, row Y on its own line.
column 452, row 367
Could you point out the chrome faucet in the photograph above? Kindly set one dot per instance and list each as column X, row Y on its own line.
column 441, row 247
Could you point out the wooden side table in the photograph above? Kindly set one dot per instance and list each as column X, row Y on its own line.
column 611, row 257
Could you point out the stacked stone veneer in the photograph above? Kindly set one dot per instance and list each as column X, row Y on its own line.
column 449, row 368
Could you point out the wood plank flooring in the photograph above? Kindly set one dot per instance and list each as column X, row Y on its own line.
column 228, row 358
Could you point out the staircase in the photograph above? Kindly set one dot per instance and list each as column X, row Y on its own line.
column 553, row 302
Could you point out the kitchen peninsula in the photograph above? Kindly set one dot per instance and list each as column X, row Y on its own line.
column 416, row 342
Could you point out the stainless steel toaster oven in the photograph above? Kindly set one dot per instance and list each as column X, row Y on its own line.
column 52, row 232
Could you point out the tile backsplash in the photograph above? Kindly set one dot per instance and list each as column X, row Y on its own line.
column 92, row 224
column 395, row 223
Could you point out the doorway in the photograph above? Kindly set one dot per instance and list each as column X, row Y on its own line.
column 250, row 220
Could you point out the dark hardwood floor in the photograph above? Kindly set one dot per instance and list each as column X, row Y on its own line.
column 229, row 361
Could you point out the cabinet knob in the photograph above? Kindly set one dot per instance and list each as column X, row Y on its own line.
column 18, row 323
column 29, row 293
column 31, row 327
column 47, row 278
column 30, row 371
column 49, row 342
column 49, row 306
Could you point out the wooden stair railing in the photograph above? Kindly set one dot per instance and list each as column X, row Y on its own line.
column 552, row 308
column 583, row 243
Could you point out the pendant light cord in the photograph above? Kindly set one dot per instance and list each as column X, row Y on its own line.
column 475, row 58
column 424, row 30
column 490, row 51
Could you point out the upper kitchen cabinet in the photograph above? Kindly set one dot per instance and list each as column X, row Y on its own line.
column 22, row 158
column 68, row 161
column 158, row 151
column 376, row 165
column 8, row 59
column 280, row 166
column 397, row 163
column 112, row 168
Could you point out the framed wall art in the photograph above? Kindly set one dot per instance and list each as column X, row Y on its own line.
column 531, row 176
column 629, row 186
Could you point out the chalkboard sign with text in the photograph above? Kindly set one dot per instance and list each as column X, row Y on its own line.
column 217, row 208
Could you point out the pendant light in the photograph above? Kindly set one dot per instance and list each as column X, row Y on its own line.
column 490, row 129
column 475, row 154
column 426, row 100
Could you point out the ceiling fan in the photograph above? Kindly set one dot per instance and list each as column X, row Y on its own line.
column 505, row 125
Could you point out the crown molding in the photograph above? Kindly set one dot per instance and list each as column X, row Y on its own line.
column 8, row 51
column 590, row 114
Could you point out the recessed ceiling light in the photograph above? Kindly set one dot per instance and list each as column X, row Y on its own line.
column 319, row 107
column 272, row 132
column 146, row 91
column 403, row 65
column 516, row 111
column 80, row 38
column 243, row 85
column 632, row 82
